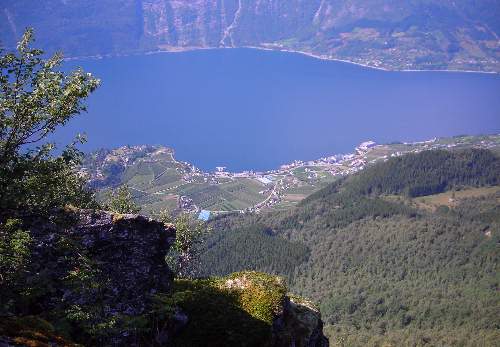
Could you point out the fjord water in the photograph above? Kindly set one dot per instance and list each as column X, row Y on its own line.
column 252, row 109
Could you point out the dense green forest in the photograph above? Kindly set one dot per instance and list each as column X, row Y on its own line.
column 385, row 269
column 425, row 173
column 257, row 248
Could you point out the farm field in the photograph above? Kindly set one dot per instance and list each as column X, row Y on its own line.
column 158, row 181
column 453, row 198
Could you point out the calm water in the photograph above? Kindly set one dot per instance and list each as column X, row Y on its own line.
column 250, row 109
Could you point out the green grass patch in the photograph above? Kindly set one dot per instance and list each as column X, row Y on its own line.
column 235, row 310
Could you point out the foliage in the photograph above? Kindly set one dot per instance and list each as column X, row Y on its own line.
column 120, row 201
column 14, row 255
column 85, row 280
column 254, row 248
column 14, row 248
column 401, row 273
column 183, row 256
column 45, row 183
column 35, row 99
column 458, row 336
column 382, row 268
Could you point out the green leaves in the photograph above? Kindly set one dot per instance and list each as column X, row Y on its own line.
column 121, row 201
column 184, row 253
column 14, row 258
column 35, row 99
column 14, row 248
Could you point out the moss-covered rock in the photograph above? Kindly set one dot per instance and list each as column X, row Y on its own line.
column 259, row 294
column 246, row 309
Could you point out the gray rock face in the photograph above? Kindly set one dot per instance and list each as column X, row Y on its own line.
column 300, row 325
column 98, row 265
column 422, row 34
column 131, row 249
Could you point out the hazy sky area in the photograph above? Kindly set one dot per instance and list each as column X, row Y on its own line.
column 250, row 109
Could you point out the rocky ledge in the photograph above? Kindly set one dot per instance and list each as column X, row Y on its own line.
column 89, row 270
column 97, row 278
column 246, row 309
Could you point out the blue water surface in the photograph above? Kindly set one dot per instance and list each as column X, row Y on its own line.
column 253, row 109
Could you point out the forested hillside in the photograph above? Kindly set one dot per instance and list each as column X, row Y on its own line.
column 385, row 266
column 425, row 173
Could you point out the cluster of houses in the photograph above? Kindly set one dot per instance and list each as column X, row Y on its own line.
column 275, row 182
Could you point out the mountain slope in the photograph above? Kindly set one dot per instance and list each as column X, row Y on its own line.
column 388, row 267
column 392, row 34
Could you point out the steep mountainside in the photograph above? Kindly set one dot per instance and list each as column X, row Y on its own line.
column 100, row 279
column 417, row 34
column 388, row 265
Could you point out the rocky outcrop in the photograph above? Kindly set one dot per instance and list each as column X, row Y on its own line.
column 303, row 324
column 94, row 269
column 246, row 309
column 432, row 34
column 296, row 321
column 126, row 252
column 101, row 279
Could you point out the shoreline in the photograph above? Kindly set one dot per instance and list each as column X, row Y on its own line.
column 320, row 57
column 410, row 143
column 270, row 171
column 172, row 49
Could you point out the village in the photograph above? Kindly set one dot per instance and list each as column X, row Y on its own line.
column 209, row 193
column 367, row 153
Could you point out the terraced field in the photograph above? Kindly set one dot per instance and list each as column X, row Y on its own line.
column 158, row 181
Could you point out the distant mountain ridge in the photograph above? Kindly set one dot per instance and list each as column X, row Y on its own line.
column 401, row 35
